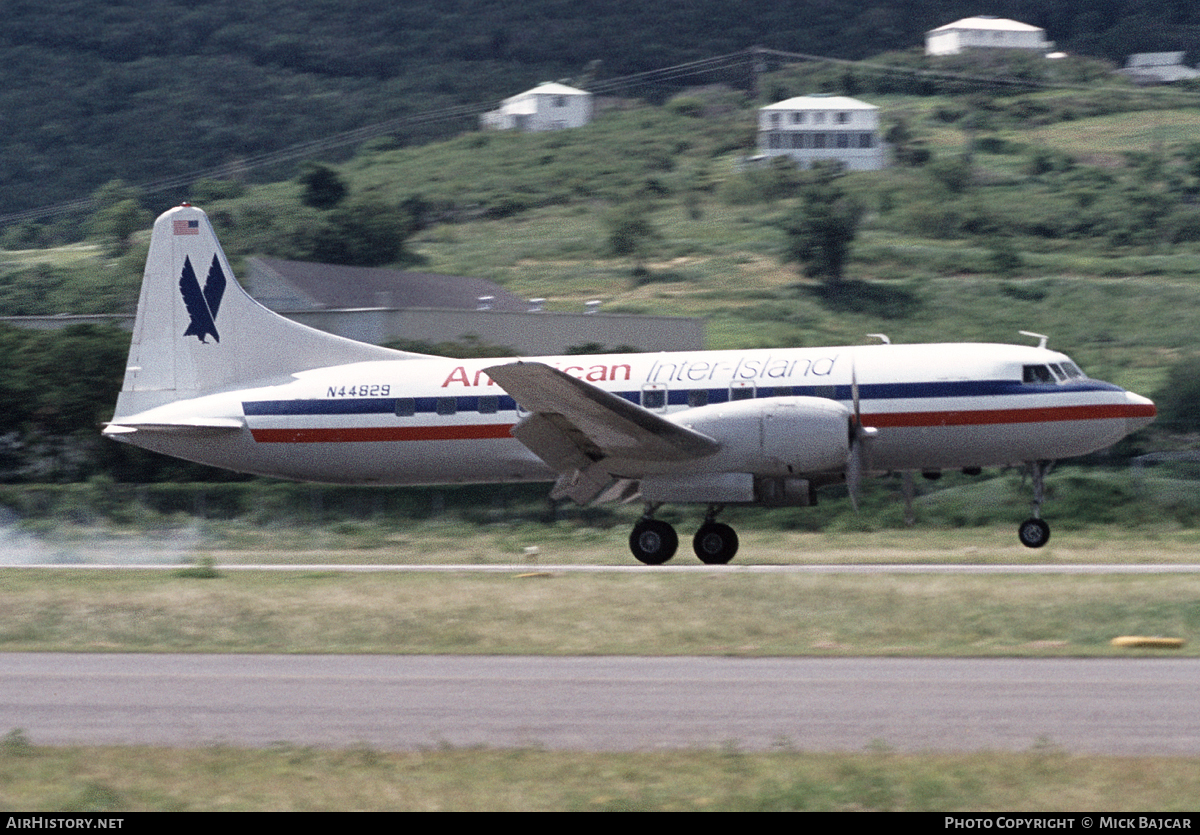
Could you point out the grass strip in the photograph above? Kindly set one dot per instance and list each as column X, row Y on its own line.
column 285, row 777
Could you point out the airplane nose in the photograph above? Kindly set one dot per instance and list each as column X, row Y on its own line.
column 1140, row 411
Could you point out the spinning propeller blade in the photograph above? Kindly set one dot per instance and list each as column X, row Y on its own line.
column 859, row 435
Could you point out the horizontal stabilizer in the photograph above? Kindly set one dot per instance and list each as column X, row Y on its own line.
column 197, row 426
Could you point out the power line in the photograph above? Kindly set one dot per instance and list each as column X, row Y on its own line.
column 358, row 135
column 947, row 75
column 301, row 150
column 748, row 57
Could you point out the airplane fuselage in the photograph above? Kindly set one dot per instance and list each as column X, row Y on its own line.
column 442, row 421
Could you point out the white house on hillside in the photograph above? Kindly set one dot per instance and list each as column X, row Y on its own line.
column 1157, row 68
column 548, row 106
column 814, row 128
column 985, row 31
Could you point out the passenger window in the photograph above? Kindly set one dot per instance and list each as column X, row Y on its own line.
column 447, row 405
column 741, row 391
column 489, row 404
column 405, row 407
column 698, row 397
column 654, row 398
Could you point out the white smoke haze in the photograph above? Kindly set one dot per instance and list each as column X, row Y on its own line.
column 23, row 548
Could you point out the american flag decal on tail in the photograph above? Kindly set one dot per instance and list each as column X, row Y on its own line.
column 186, row 227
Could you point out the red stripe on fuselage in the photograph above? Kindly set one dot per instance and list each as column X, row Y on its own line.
column 366, row 434
column 1121, row 411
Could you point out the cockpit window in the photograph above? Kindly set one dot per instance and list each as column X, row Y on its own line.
column 1056, row 372
column 1037, row 374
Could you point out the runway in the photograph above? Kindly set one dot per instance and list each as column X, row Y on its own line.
column 1113, row 706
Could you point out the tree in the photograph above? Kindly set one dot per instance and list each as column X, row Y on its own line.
column 324, row 188
column 116, row 224
column 365, row 232
column 208, row 190
column 56, row 387
column 821, row 230
column 26, row 235
column 1178, row 400
column 630, row 232
column 118, row 215
column 906, row 148
column 953, row 173
column 114, row 192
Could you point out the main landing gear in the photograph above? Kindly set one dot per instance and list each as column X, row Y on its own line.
column 653, row 541
column 1034, row 532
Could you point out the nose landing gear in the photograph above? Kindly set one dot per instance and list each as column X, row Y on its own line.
column 1034, row 532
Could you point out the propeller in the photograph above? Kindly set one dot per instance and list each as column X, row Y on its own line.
column 859, row 436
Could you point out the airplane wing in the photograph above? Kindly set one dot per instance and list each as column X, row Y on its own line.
column 588, row 435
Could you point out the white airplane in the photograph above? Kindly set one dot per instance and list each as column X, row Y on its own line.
column 217, row 378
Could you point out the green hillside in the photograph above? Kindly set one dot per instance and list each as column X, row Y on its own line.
column 150, row 92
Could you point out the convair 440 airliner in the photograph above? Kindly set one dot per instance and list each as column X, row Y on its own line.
column 214, row 377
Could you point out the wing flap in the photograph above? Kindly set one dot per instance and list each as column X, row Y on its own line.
column 557, row 442
column 582, row 485
column 575, row 425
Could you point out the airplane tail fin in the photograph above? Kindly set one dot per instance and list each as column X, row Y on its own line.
column 197, row 331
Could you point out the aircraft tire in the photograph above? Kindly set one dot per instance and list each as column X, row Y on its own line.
column 715, row 543
column 1034, row 533
column 653, row 541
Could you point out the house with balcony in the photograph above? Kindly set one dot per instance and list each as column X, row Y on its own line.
column 818, row 128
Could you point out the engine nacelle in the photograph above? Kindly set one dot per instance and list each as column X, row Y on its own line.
column 775, row 436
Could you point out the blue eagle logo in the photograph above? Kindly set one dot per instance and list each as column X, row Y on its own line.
column 202, row 305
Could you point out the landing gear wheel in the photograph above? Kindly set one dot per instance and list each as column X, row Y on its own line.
column 715, row 543
column 1034, row 533
column 653, row 541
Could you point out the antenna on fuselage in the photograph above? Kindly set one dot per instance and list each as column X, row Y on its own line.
column 1040, row 337
column 882, row 337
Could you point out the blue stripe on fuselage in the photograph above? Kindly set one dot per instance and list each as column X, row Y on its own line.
column 365, row 405
column 679, row 397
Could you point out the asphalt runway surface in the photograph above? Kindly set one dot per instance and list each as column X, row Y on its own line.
column 1113, row 706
